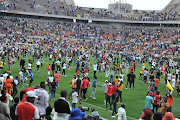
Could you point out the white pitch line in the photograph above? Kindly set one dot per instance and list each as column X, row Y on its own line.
column 96, row 106
column 105, row 110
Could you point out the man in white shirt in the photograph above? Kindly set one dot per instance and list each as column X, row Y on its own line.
column 29, row 66
column 95, row 68
column 38, row 63
column 5, row 75
column 42, row 102
column 122, row 113
column 21, row 77
column 75, row 98
column 1, row 82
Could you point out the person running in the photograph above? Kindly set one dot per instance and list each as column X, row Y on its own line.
column 57, row 79
column 157, row 100
column 8, row 84
column 64, row 68
column 49, row 69
column 38, row 63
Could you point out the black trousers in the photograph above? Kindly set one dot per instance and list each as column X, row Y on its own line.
column 84, row 91
column 132, row 82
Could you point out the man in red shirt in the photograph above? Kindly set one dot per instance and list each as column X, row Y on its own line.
column 57, row 79
column 26, row 110
column 108, row 95
column 131, row 69
column 49, row 69
column 157, row 99
column 134, row 65
column 84, row 87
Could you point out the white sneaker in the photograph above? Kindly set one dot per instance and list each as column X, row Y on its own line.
column 113, row 116
column 94, row 98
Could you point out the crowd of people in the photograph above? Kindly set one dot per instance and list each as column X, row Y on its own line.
column 62, row 8
column 137, row 50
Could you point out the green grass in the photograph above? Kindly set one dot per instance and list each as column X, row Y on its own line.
column 134, row 99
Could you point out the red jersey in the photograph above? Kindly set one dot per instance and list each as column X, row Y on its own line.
column 25, row 111
column 109, row 91
column 114, row 88
column 157, row 99
column 166, row 66
column 49, row 67
column 26, row 90
column 86, row 70
column 85, row 84
column 134, row 64
column 131, row 69
column 78, row 72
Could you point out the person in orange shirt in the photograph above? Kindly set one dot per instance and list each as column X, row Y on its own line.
column 170, row 101
column 164, row 106
column 57, row 79
column 73, row 83
column 116, row 80
column 156, row 80
column 8, row 85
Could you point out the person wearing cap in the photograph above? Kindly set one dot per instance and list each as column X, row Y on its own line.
column 76, row 114
column 147, row 114
column 42, row 102
column 149, row 101
column 105, row 89
column 168, row 116
column 109, row 95
column 26, row 110
column 122, row 113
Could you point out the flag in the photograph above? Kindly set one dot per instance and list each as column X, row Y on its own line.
column 168, row 86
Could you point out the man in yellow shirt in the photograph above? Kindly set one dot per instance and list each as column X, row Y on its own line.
column 120, row 86
column 116, row 80
column 1, row 65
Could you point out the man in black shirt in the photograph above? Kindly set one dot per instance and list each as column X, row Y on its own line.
column 128, row 79
column 13, row 108
column 62, row 107
column 132, row 78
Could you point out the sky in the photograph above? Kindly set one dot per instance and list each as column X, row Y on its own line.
column 137, row 4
